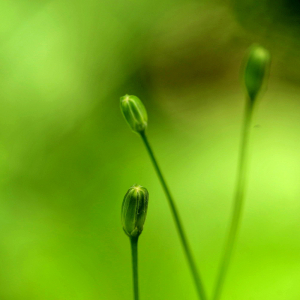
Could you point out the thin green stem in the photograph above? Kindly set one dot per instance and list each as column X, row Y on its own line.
column 192, row 265
column 134, row 254
column 238, row 201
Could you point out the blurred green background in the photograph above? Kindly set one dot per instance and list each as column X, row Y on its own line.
column 68, row 157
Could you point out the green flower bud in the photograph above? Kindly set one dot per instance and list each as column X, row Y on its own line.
column 134, row 210
column 257, row 67
column 134, row 112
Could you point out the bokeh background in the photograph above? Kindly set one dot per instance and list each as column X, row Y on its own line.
column 67, row 157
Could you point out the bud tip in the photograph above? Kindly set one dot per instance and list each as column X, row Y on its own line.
column 134, row 112
column 134, row 210
column 256, row 70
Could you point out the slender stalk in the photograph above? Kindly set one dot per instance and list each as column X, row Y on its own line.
column 134, row 253
column 192, row 265
column 238, row 202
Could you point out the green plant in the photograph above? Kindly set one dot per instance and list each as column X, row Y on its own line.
column 257, row 66
column 136, row 116
column 133, row 216
column 256, row 71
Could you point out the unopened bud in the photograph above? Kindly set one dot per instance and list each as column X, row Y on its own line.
column 134, row 210
column 256, row 70
column 134, row 112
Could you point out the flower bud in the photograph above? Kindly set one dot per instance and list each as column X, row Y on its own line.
column 256, row 70
column 134, row 210
column 134, row 112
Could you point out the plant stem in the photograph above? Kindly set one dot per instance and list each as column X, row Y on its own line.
column 192, row 265
column 238, row 202
column 134, row 254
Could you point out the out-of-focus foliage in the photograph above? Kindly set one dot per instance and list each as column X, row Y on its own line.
column 67, row 156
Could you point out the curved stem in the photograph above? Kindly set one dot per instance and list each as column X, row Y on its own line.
column 188, row 253
column 134, row 254
column 238, row 202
